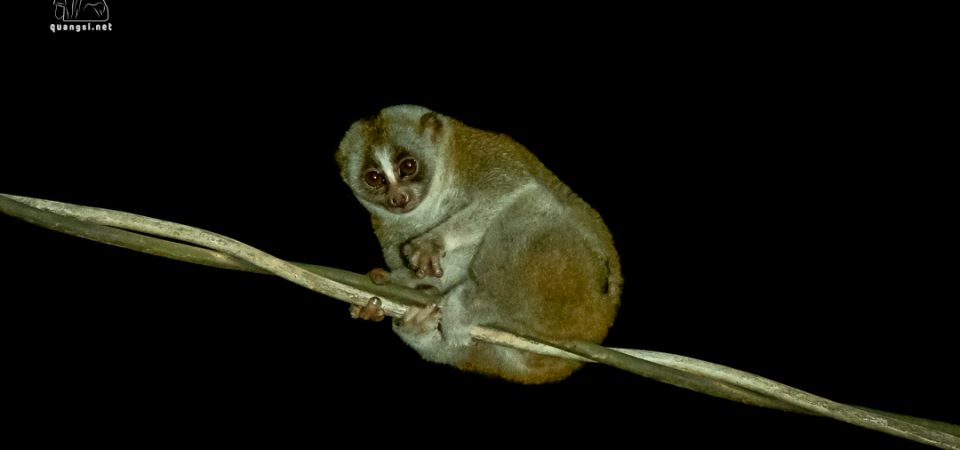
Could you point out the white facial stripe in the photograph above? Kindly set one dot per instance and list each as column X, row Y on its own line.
column 383, row 158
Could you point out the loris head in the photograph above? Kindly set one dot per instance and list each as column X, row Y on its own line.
column 391, row 160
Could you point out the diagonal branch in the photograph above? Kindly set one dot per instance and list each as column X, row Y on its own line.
column 203, row 247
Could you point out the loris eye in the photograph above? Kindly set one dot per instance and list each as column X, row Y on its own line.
column 373, row 178
column 408, row 167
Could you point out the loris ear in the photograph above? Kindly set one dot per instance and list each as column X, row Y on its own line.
column 432, row 127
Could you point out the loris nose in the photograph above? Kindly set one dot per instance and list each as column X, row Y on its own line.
column 399, row 199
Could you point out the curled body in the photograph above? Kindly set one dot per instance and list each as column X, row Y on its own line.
column 476, row 216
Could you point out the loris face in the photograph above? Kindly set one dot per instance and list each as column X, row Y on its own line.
column 393, row 178
column 389, row 160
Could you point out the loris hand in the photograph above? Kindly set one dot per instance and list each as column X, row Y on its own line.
column 424, row 255
column 372, row 311
column 419, row 321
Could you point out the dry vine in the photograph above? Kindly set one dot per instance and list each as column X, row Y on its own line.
column 211, row 249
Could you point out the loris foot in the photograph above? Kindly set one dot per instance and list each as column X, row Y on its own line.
column 424, row 255
column 419, row 321
column 379, row 276
column 372, row 311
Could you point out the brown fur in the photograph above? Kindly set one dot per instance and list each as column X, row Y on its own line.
column 571, row 289
column 559, row 282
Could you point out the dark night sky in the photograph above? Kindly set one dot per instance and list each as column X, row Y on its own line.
column 767, row 214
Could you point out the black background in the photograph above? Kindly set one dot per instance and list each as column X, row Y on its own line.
column 771, row 195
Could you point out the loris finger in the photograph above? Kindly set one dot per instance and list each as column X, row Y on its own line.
column 379, row 276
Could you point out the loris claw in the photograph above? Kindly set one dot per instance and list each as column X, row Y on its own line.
column 424, row 255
